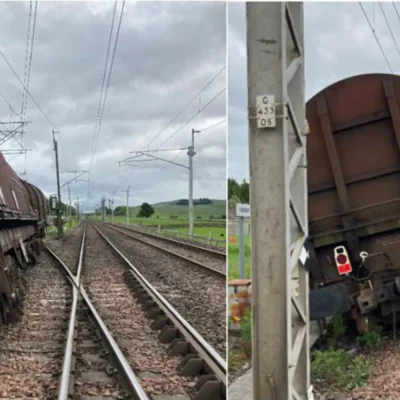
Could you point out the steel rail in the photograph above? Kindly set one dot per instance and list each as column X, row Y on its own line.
column 210, row 356
column 220, row 274
column 168, row 239
column 67, row 362
column 129, row 375
column 66, row 367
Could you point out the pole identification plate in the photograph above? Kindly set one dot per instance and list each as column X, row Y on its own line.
column 266, row 111
column 243, row 210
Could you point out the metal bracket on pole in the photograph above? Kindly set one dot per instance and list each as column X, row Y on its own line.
column 151, row 157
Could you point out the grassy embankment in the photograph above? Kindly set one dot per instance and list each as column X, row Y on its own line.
column 51, row 231
column 207, row 218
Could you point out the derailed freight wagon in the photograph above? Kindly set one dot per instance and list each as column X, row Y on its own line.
column 353, row 153
column 23, row 215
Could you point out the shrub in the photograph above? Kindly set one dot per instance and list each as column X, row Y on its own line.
column 245, row 325
column 372, row 339
column 339, row 329
column 338, row 368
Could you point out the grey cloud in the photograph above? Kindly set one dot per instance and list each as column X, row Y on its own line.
column 166, row 53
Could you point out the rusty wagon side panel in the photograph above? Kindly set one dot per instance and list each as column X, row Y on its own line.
column 354, row 158
column 353, row 152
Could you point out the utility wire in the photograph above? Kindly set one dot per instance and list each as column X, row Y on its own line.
column 108, row 84
column 196, row 134
column 33, row 99
column 210, row 127
column 187, row 105
column 28, row 66
column 398, row 15
column 390, row 29
column 194, row 116
column 96, row 138
column 110, row 72
column 29, row 93
column 377, row 40
column 8, row 103
column 178, row 130
column 30, row 60
column 104, row 77
column 26, row 57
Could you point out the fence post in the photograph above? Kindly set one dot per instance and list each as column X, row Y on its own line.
column 241, row 247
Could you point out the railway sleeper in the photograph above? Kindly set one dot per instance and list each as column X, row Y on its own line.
column 207, row 386
column 110, row 367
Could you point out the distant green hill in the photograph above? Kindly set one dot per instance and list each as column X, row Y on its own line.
column 168, row 209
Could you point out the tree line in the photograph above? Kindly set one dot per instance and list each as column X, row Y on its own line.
column 185, row 202
column 145, row 211
column 238, row 192
column 63, row 207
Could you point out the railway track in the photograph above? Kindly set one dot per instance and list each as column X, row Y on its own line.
column 169, row 357
column 197, row 295
column 30, row 349
column 208, row 259
column 182, row 243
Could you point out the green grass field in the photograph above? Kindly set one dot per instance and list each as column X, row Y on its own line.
column 216, row 232
column 216, row 210
column 233, row 259
column 209, row 214
column 203, row 213
column 51, row 231
column 159, row 221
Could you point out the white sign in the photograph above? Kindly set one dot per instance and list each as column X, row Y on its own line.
column 243, row 210
column 266, row 111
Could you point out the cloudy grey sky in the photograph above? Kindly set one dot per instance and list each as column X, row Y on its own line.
column 338, row 44
column 167, row 52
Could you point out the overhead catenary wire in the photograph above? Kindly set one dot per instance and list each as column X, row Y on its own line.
column 376, row 37
column 187, row 105
column 28, row 66
column 390, row 29
column 193, row 117
column 179, row 129
column 26, row 56
column 101, row 92
column 395, row 9
column 196, row 134
column 97, row 133
column 8, row 103
column 111, row 69
column 27, row 90
column 107, row 87
column 104, row 75
column 34, row 100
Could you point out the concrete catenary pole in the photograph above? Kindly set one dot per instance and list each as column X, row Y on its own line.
column 127, row 206
column 59, row 222
column 69, row 206
column 278, row 200
column 191, row 154
column 112, row 208
column 103, row 201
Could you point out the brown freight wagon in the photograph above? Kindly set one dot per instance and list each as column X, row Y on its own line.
column 22, row 227
column 353, row 153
